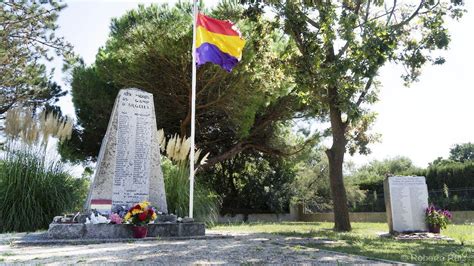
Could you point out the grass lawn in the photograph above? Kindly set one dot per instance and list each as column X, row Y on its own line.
column 364, row 240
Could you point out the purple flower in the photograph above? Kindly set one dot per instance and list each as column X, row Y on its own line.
column 447, row 214
column 115, row 218
column 430, row 209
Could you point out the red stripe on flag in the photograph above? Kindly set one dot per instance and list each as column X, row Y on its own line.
column 216, row 26
column 101, row 201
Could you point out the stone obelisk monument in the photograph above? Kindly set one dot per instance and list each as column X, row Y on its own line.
column 128, row 168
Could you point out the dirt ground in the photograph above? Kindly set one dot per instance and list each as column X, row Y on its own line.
column 242, row 248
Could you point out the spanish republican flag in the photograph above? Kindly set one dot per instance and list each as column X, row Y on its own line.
column 218, row 42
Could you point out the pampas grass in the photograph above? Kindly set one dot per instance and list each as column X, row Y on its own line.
column 176, row 173
column 33, row 190
column 33, row 187
column 21, row 125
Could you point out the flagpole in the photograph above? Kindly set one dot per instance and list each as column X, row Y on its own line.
column 193, row 113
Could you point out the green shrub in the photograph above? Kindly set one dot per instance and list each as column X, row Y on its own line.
column 206, row 202
column 453, row 174
column 33, row 190
column 251, row 182
column 312, row 188
column 175, row 165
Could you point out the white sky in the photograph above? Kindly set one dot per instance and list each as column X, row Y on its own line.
column 421, row 122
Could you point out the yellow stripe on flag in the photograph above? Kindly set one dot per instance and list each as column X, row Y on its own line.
column 231, row 45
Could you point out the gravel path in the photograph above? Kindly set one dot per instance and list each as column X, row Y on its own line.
column 242, row 248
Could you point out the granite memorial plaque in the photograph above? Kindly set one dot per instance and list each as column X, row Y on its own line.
column 128, row 168
column 406, row 198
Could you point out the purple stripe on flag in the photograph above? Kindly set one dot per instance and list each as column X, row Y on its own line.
column 207, row 52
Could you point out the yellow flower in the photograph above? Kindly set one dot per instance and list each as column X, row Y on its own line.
column 144, row 204
column 127, row 216
column 135, row 211
column 153, row 217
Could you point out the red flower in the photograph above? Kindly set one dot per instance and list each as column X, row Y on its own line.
column 137, row 207
column 150, row 212
column 142, row 216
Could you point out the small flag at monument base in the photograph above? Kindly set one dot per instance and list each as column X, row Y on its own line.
column 101, row 205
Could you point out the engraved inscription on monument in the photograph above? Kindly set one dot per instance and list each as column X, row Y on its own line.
column 128, row 167
column 132, row 166
column 406, row 201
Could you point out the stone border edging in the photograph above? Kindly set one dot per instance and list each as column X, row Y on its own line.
column 90, row 241
column 367, row 258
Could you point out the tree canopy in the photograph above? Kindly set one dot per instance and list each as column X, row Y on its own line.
column 462, row 152
column 27, row 35
column 150, row 48
column 370, row 176
column 342, row 46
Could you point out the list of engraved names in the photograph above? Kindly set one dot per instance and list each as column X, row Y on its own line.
column 133, row 159
column 409, row 198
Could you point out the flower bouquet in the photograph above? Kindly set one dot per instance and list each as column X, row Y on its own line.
column 437, row 219
column 140, row 216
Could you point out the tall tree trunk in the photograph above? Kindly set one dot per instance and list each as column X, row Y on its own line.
column 185, row 126
column 336, row 160
column 338, row 191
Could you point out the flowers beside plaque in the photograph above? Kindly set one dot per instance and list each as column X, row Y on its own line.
column 115, row 218
column 437, row 219
column 140, row 216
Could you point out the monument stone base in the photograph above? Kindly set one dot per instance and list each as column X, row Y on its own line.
column 416, row 236
column 113, row 231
